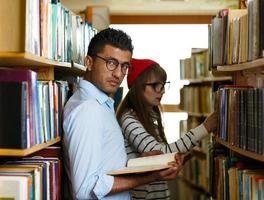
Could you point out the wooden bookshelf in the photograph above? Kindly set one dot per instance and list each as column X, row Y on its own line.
column 192, row 81
column 259, row 63
column 171, row 108
column 240, row 151
column 10, row 59
column 26, row 152
column 78, row 67
column 213, row 79
column 207, row 80
column 25, row 36
column 194, row 186
column 193, row 114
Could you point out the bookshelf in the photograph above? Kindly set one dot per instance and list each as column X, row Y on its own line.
column 240, row 151
column 29, row 151
column 39, row 42
column 197, row 100
column 237, row 156
column 258, row 63
column 194, row 72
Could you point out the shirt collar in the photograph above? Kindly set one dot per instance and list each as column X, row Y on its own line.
column 100, row 96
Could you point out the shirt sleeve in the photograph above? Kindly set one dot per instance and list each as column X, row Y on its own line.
column 187, row 141
column 83, row 146
column 142, row 141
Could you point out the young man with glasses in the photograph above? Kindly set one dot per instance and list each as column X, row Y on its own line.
column 140, row 118
column 93, row 142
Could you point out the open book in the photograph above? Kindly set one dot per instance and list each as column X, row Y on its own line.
column 145, row 164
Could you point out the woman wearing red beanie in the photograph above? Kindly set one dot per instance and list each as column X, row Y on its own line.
column 140, row 118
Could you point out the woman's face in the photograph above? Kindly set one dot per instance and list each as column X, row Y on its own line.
column 154, row 90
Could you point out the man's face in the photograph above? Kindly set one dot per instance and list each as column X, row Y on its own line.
column 106, row 80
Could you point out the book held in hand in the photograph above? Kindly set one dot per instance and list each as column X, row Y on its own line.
column 145, row 164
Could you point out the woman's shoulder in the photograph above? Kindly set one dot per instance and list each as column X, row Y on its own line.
column 129, row 115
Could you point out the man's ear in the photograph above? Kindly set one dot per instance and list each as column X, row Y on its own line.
column 89, row 63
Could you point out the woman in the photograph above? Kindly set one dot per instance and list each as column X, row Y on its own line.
column 140, row 119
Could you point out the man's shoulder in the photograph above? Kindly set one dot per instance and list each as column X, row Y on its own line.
column 77, row 105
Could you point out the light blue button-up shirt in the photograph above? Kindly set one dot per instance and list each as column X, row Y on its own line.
column 93, row 144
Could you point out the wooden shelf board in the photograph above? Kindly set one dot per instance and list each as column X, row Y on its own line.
column 248, row 154
column 194, row 81
column 25, row 152
column 242, row 66
column 170, row 108
column 212, row 79
column 193, row 185
column 78, row 69
column 11, row 59
column 207, row 79
column 194, row 114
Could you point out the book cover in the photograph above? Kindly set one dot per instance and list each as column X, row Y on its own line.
column 29, row 76
column 14, row 131
column 14, row 187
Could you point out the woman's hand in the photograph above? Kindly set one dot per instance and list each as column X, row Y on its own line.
column 210, row 123
column 173, row 171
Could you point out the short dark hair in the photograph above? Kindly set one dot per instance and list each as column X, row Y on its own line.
column 114, row 37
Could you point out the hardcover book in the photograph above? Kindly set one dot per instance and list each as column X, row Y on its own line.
column 145, row 164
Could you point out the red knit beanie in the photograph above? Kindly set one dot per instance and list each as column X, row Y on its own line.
column 137, row 67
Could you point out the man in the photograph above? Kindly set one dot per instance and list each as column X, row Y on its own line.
column 93, row 141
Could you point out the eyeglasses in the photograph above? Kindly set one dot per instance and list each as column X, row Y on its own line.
column 112, row 64
column 158, row 86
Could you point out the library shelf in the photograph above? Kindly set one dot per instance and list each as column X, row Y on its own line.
column 205, row 80
column 194, row 114
column 194, row 186
column 26, row 152
column 213, row 79
column 242, row 66
column 192, row 81
column 77, row 69
column 11, row 59
column 240, row 151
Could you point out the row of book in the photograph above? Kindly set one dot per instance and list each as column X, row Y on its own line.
column 185, row 190
column 31, row 178
column 64, row 36
column 195, row 172
column 196, row 66
column 241, row 120
column 236, row 179
column 197, row 99
column 31, row 110
column 51, row 30
column 189, row 123
column 237, row 35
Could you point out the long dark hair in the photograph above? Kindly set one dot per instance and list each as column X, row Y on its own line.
column 135, row 100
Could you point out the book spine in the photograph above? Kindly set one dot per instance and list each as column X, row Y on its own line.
column 24, row 127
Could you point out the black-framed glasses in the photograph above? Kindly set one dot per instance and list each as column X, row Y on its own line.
column 158, row 86
column 112, row 64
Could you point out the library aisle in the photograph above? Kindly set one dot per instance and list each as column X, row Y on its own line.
column 43, row 44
